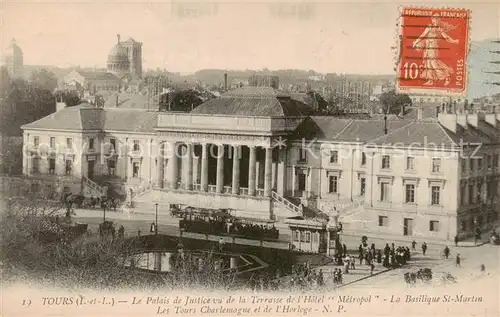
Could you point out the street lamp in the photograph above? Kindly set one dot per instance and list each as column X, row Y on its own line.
column 156, row 224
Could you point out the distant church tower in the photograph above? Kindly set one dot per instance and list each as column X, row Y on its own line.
column 13, row 60
column 134, row 52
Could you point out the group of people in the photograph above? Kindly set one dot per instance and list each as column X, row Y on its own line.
column 306, row 277
column 396, row 257
column 253, row 231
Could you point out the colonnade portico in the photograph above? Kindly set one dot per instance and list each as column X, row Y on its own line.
column 186, row 166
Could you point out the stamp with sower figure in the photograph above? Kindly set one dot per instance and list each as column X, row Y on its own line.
column 433, row 51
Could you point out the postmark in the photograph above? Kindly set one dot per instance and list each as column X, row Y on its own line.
column 434, row 45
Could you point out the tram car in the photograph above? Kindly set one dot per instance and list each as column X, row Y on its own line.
column 221, row 222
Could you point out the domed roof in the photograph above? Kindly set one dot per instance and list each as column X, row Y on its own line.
column 12, row 50
column 118, row 54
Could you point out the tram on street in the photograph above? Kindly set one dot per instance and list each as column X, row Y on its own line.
column 221, row 222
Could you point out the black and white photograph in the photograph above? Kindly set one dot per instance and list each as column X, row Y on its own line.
column 249, row 158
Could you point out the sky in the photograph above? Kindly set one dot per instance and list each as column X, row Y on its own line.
column 341, row 37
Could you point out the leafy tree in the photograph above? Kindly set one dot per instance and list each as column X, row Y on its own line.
column 182, row 100
column 393, row 101
column 70, row 97
column 321, row 104
column 44, row 79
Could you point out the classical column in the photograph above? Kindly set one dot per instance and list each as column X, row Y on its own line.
column 268, row 173
column 251, row 172
column 173, row 166
column 189, row 167
column 204, row 167
column 281, row 182
column 236, row 170
column 220, row 168
column 160, row 166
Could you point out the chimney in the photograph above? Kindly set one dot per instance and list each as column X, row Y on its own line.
column 462, row 120
column 474, row 119
column 491, row 118
column 225, row 81
column 448, row 121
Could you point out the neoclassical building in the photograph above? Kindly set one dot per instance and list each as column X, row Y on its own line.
column 259, row 153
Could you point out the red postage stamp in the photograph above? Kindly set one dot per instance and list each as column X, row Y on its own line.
column 433, row 52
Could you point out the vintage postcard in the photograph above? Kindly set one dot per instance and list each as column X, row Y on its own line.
column 256, row 158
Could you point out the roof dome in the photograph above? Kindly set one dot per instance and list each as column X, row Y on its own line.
column 12, row 50
column 118, row 54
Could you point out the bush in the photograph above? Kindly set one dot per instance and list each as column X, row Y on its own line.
column 85, row 262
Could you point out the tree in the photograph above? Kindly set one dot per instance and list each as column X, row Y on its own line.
column 43, row 79
column 321, row 105
column 70, row 97
column 182, row 100
column 393, row 101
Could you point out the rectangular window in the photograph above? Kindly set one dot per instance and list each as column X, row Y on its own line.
column 36, row 141
column 436, row 165
column 334, row 157
column 410, row 193
column 489, row 160
column 69, row 143
column 296, row 234
column 302, row 182
column 362, row 185
column 69, row 167
column 113, row 143
column 496, row 161
column 471, row 194
column 302, row 237
column 332, row 184
column 91, row 144
column 52, row 142
column 308, row 237
column 472, row 164
column 463, row 164
column 315, row 237
column 462, row 195
column 35, row 165
column 479, row 164
column 111, row 167
column 302, row 155
column 479, row 192
column 384, row 192
column 52, row 166
column 135, row 170
column 383, row 221
column 436, row 195
column 410, row 163
column 434, row 225
column 136, row 145
column 386, row 162
column 363, row 159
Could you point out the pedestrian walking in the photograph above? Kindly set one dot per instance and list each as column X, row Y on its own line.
column 372, row 267
column 221, row 244
column 483, row 268
column 457, row 262
column 446, row 252
column 456, row 240
column 424, row 248
column 353, row 265
column 414, row 245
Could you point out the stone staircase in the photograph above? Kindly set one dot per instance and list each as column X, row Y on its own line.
column 135, row 191
column 92, row 189
column 289, row 204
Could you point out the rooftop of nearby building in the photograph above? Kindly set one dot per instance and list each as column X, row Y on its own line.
column 254, row 101
column 97, row 75
column 87, row 117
